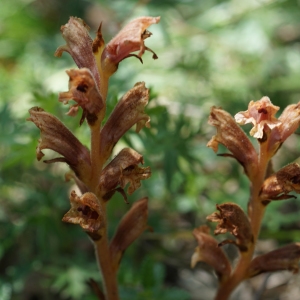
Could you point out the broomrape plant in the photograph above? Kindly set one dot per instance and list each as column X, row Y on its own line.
column 265, row 186
column 96, row 177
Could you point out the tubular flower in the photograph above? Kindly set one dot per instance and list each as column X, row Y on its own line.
column 129, row 39
column 209, row 252
column 121, row 170
column 79, row 45
column 233, row 138
column 261, row 114
column 132, row 225
column 57, row 137
column 231, row 218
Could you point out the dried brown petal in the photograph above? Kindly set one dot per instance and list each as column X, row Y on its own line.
column 83, row 89
column 233, row 219
column 128, row 111
column 233, row 138
column 79, row 45
column 85, row 211
column 121, row 170
column 130, row 228
column 209, row 252
column 260, row 113
column 55, row 136
column 289, row 122
column 129, row 39
column 284, row 258
column 279, row 185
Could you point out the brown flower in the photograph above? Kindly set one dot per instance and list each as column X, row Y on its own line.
column 55, row 136
column 129, row 39
column 261, row 114
column 209, row 252
column 79, row 45
column 132, row 225
column 128, row 111
column 284, row 258
column 83, row 89
column 231, row 218
column 279, row 185
column 85, row 211
column 233, row 138
column 123, row 169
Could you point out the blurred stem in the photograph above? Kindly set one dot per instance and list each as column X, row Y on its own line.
column 255, row 213
column 109, row 274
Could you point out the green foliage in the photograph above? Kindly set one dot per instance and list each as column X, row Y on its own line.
column 222, row 53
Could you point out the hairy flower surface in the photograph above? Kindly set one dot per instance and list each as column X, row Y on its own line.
column 261, row 114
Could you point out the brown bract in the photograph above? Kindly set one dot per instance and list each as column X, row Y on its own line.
column 79, row 45
column 231, row 218
column 83, row 89
column 56, row 136
column 261, row 114
column 128, row 111
column 284, row 258
column 123, row 169
column 85, row 211
column 129, row 39
column 130, row 228
column 279, row 185
column 233, row 138
column 209, row 252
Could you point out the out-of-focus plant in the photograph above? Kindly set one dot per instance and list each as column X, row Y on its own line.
column 97, row 178
column 265, row 186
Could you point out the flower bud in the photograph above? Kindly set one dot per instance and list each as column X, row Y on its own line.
column 209, row 252
column 130, row 228
column 279, row 185
column 85, row 211
column 233, row 219
column 284, row 258
column 233, row 138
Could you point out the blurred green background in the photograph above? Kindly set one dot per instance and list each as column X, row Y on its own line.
column 211, row 52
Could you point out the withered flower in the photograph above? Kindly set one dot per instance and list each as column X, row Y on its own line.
column 123, row 169
column 55, row 136
column 279, row 185
column 233, row 138
column 128, row 111
column 289, row 122
column 84, row 90
column 79, row 45
column 261, row 114
column 85, row 211
column 129, row 39
column 231, row 218
column 284, row 258
column 132, row 225
column 209, row 252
